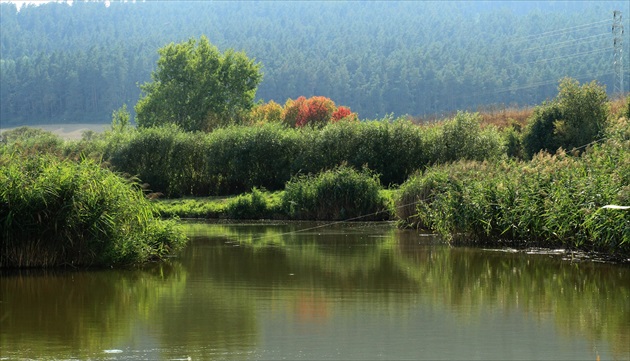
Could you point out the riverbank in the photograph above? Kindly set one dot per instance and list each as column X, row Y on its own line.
column 470, row 183
column 558, row 201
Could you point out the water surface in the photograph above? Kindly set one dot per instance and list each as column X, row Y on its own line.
column 299, row 291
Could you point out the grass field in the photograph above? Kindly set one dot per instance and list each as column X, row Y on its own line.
column 67, row 131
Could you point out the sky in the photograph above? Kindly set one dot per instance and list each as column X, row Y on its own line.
column 20, row 3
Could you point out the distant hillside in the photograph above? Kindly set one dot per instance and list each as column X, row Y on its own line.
column 62, row 63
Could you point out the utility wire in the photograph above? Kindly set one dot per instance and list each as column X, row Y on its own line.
column 568, row 56
column 562, row 44
column 557, row 32
column 529, row 85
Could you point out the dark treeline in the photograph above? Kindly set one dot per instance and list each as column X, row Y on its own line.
column 68, row 63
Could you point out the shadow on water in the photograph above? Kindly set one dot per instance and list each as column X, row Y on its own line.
column 240, row 290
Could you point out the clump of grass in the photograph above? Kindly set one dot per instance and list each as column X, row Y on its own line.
column 251, row 205
column 341, row 193
column 55, row 212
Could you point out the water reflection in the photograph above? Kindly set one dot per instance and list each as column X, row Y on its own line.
column 297, row 290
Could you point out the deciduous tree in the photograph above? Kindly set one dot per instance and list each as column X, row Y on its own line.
column 197, row 87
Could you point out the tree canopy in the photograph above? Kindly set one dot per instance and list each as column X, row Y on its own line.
column 197, row 87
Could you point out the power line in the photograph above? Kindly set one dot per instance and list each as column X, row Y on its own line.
column 558, row 31
column 567, row 42
column 529, row 85
column 568, row 56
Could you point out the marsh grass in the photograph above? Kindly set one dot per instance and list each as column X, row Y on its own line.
column 201, row 207
column 341, row 193
column 55, row 212
column 553, row 200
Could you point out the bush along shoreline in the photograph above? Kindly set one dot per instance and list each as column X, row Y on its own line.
column 558, row 200
column 62, row 213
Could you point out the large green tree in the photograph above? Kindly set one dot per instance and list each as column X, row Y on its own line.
column 197, row 87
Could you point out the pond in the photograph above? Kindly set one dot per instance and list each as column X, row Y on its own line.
column 307, row 291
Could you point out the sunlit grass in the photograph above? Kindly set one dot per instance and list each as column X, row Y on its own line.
column 55, row 212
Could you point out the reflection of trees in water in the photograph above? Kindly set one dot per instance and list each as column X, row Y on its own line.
column 206, row 300
column 583, row 298
column 82, row 310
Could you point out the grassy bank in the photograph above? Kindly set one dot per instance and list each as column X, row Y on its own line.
column 335, row 195
column 56, row 213
column 553, row 200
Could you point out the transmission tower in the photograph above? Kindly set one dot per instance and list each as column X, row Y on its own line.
column 617, row 30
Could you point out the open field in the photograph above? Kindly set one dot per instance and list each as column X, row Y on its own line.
column 67, row 131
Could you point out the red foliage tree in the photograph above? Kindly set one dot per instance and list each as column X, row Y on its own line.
column 314, row 111
column 343, row 113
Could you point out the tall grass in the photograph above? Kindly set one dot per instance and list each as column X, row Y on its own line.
column 341, row 193
column 236, row 159
column 55, row 212
column 554, row 200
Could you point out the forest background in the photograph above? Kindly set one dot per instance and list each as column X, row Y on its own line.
column 62, row 63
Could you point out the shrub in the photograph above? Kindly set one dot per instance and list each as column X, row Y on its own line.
column 341, row 193
column 394, row 150
column 513, row 142
column 539, row 133
column 55, row 212
column 316, row 111
column 463, row 138
column 574, row 119
column 344, row 113
column 240, row 158
column 147, row 155
column 27, row 140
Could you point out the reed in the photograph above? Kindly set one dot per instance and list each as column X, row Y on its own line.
column 55, row 212
column 256, row 204
column 341, row 193
column 552, row 200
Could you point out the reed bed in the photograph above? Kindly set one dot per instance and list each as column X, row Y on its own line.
column 55, row 213
column 553, row 200
column 236, row 159
column 339, row 194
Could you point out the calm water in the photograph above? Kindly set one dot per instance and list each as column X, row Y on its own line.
column 343, row 292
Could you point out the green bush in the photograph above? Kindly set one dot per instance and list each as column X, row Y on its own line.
column 394, row 150
column 338, row 194
column 539, row 133
column 241, row 158
column 147, row 155
column 55, row 212
column 463, row 138
column 574, row 119
column 513, row 142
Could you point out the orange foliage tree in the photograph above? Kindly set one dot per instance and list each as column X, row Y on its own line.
column 266, row 113
column 314, row 111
